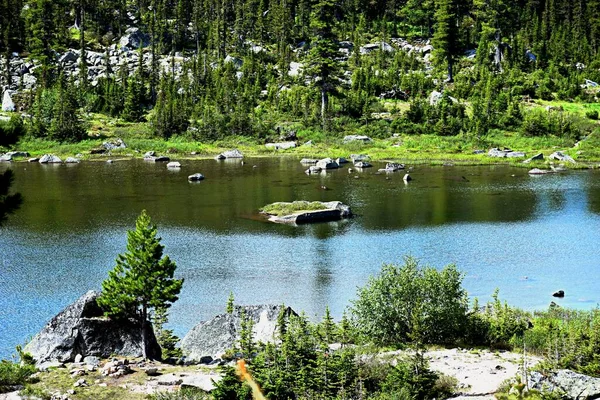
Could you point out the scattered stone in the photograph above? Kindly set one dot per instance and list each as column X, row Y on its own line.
column 161, row 159
column 78, row 372
column 559, row 294
column 308, row 161
column 392, row 167
column 219, row 334
column 280, row 146
column 362, row 164
column 537, row 157
column 173, row 165
column 341, row 161
column 5, row 158
column 80, row 383
column 357, row 138
column 196, row 177
column 150, row 154
column 220, row 157
column 327, row 163
column 78, row 358
column 50, row 159
column 560, row 156
column 109, row 161
column 91, row 361
column 72, row 160
column 407, row 178
column 151, row 371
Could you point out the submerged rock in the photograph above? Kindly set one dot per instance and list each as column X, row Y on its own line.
column 82, row 329
column 219, row 334
column 308, row 161
column 196, row 177
column 174, row 165
column 362, row 164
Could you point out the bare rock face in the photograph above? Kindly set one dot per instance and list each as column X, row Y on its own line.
column 569, row 384
column 82, row 329
column 214, row 337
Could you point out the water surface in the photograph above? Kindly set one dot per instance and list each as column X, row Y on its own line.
column 527, row 236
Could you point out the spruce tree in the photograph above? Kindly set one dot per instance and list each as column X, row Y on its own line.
column 142, row 279
column 445, row 38
column 66, row 124
column 321, row 64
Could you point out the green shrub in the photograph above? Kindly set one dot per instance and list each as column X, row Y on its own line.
column 408, row 300
column 12, row 130
column 12, row 374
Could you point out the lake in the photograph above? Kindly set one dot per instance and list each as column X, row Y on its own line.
column 527, row 236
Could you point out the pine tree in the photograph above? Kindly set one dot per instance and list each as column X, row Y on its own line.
column 66, row 124
column 230, row 306
column 321, row 64
column 445, row 38
column 142, row 279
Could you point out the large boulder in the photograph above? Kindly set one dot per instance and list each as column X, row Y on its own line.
column 82, row 329
column 235, row 153
column 570, row 384
column 560, row 156
column 7, row 102
column 219, row 334
column 327, row 163
column 50, row 159
column 134, row 39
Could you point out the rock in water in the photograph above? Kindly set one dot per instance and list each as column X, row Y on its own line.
column 196, row 177
column 327, row 163
column 82, row 329
column 50, row 159
column 235, row 153
column 215, row 336
column 174, row 165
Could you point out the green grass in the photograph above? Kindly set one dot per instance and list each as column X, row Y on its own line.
column 280, row 209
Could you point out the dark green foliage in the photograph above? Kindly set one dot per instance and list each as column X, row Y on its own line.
column 592, row 114
column 165, row 337
column 66, row 124
column 13, row 375
column 11, row 131
column 142, row 279
column 391, row 304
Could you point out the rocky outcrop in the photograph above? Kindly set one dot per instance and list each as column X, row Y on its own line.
column 505, row 153
column 133, row 39
column 82, row 329
column 219, row 334
column 280, row 146
column 568, row 384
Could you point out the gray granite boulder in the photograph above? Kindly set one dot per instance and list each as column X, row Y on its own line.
column 82, row 329
column 357, row 138
column 560, row 156
column 327, row 163
column 50, row 159
column 219, row 334
column 235, row 153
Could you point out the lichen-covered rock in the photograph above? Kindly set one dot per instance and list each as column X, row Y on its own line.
column 219, row 334
column 82, row 329
column 571, row 384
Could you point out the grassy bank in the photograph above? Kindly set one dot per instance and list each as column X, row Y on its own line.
column 416, row 149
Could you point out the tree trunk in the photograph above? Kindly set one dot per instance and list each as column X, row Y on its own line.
column 324, row 103
column 144, row 328
column 450, row 75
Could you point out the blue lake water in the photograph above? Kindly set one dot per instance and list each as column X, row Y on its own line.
column 527, row 236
